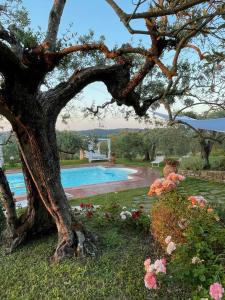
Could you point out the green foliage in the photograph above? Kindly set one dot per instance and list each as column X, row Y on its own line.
column 191, row 163
column 128, row 145
column 204, row 240
column 218, row 151
column 198, row 260
column 218, row 164
column 168, row 141
column 71, row 142
column 142, row 223
column 11, row 150
column 119, row 263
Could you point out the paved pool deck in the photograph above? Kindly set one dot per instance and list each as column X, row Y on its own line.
column 143, row 177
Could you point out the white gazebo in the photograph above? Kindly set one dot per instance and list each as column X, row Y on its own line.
column 92, row 154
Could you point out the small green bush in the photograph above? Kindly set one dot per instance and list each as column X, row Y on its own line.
column 191, row 163
column 218, row 152
column 218, row 164
column 200, row 261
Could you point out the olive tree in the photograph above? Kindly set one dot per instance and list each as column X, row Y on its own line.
column 28, row 59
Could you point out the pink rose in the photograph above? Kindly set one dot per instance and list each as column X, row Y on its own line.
column 172, row 176
column 160, row 266
column 170, row 248
column 169, row 185
column 216, row 291
column 150, row 280
column 158, row 183
column 175, row 177
column 181, row 177
column 168, row 239
column 197, row 200
column 158, row 191
column 147, row 263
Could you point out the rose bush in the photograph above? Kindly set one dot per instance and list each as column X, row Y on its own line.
column 192, row 235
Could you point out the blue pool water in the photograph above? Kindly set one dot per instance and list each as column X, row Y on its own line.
column 75, row 177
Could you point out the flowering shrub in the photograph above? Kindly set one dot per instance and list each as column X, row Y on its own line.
column 125, row 214
column 162, row 185
column 168, row 217
column 193, row 237
column 86, row 205
column 199, row 261
column 136, row 217
column 197, row 201
column 87, row 209
column 114, row 213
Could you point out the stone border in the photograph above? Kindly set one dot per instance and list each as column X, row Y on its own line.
column 218, row 176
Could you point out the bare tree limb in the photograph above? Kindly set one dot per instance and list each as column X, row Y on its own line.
column 8, row 139
column 101, row 47
column 53, row 23
column 55, row 99
column 152, row 13
column 95, row 111
column 183, row 42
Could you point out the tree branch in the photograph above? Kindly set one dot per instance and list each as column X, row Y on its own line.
column 138, row 77
column 55, row 99
column 53, row 23
column 152, row 13
column 116, row 78
column 95, row 111
column 101, row 47
column 183, row 42
column 8, row 139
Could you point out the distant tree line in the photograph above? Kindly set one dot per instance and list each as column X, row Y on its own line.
column 128, row 144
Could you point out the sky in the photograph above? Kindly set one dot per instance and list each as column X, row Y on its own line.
column 98, row 16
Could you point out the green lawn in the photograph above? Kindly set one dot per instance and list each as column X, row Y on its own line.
column 115, row 273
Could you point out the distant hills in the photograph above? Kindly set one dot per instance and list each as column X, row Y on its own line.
column 106, row 132
column 96, row 132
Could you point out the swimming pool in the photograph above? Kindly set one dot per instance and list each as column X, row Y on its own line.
column 73, row 177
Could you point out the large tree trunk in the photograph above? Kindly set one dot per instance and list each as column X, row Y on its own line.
column 152, row 152
column 146, row 158
column 39, row 151
column 35, row 220
column 206, row 148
